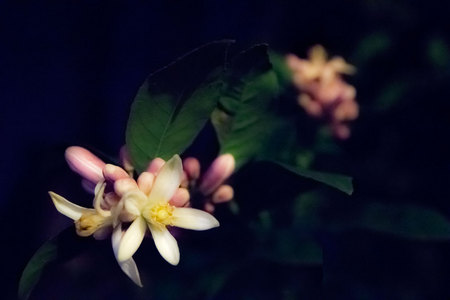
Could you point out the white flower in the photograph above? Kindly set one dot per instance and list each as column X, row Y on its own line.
column 155, row 212
column 98, row 222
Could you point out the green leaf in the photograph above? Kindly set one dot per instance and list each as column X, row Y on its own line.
column 173, row 105
column 408, row 221
column 403, row 220
column 371, row 46
column 64, row 246
column 285, row 247
column 340, row 182
column 280, row 68
column 244, row 121
column 46, row 254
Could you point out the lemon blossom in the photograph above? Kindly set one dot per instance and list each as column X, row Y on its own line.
column 98, row 221
column 152, row 209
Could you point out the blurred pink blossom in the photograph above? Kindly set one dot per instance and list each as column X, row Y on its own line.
column 323, row 92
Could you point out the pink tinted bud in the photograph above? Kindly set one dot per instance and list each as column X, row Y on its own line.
column 209, row 207
column 341, row 131
column 125, row 160
column 311, row 107
column 346, row 111
column 191, row 166
column 329, row 93
column 145, row 182
column 155, row 165
column 348, row 93
column 124, row 185
column 83, row 162
column 221, row 168
column 113, row 173
column 223, row 194
column 88, row 186
column 180, row 198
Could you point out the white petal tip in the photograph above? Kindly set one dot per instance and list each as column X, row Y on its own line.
column 130, row 269
column 66, row 207
column 195, row 219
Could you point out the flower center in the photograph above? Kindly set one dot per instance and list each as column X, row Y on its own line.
column 160, row 214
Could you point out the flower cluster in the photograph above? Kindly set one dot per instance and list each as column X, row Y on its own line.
column 158, row 199
column 323, row 92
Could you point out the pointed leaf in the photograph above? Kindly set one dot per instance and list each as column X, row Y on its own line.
column 63, row 246
column 30, row 276
column 173, row 104
column 340, row 182
column 403, row 220
column 244, row 120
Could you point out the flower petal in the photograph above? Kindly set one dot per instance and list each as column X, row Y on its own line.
column 116, row 237
column 132, row 239
column 195, row 219
column 99, row 192
column 67, row 208
column 134, row 201
column 166, row 244
column 128, row 266
column 167, row 181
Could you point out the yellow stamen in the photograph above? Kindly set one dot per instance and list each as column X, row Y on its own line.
column 160, row 214
column 89, row 223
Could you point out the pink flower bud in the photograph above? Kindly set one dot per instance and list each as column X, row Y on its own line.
column 329, row 93
column 145, row 182
column 155, row 165
column 346, row 111
column 113, row 173
column 192, row 168
column 223, row 194
column 180, row 198
column 313, row 108
column 208, row 207
column 221, row 168
column 124, row 185
column 83, row 162
column 341, row 131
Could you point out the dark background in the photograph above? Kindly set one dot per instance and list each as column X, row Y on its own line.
column 69, row 71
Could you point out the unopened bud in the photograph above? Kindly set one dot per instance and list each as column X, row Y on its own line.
column 124, row 185
column 221, row 168
column 145, row 182
column 85, row 163
column 180, row 198
column 191, row 166
column 113, row 173
column 223, row 194
column 155, row 165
